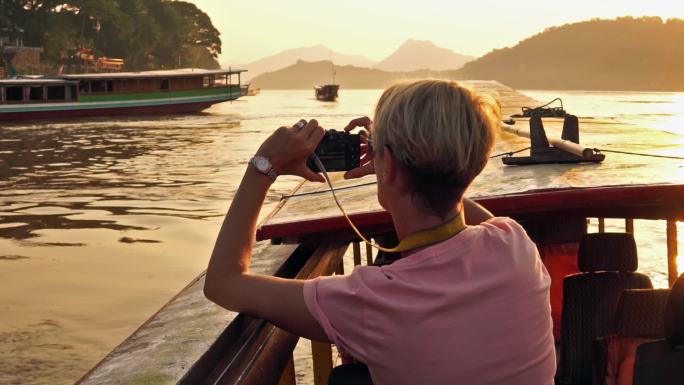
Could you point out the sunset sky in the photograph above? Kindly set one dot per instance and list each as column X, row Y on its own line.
column 254, row 29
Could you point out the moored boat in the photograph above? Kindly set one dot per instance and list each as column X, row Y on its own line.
column 116, row 94
column 327, row 92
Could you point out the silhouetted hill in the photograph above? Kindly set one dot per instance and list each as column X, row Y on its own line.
column 313, row 53
column 305, row 75
column 621, row 54
column 417, row 55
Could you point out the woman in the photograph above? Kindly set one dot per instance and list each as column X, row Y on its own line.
column 473, row 309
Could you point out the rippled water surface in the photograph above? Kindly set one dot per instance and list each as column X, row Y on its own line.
column 102, row 221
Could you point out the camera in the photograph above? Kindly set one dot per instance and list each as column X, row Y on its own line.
column 338, row 151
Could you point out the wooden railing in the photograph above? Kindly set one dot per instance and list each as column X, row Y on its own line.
column 251, row 351
column 673, row 270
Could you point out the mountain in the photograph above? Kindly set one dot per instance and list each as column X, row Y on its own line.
column 638, row 54
column 305, row 75
column 416, row 55
column 313, row 53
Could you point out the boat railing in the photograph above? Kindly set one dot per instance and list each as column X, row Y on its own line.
column 192, row 341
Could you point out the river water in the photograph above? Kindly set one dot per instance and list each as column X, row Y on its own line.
column 102, row 221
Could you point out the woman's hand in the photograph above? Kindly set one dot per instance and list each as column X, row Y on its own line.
column 366, row 167
column 288, row 149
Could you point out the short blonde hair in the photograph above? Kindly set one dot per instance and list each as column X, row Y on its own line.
column 441, row 131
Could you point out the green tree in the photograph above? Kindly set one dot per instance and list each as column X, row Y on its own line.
column 147, row 34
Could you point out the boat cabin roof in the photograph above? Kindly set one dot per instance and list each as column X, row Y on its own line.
column 184, row 72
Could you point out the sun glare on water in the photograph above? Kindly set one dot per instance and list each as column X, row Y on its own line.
column 674, row 123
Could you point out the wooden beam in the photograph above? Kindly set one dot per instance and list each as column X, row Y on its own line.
column 262, row 351
column 369, row 255
column 288, row 377
column 672, row 270
column 629, row 225
column 357, row 253
column 322, row 361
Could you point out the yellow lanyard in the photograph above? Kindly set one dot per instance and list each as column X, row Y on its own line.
column 414, row 241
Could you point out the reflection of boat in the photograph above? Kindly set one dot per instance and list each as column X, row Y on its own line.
column 552, row 202
column 327, row 92
column 122, row 93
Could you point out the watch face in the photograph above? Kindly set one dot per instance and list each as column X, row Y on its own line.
column 263, row 164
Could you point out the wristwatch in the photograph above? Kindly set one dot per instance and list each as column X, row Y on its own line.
column 264, row 166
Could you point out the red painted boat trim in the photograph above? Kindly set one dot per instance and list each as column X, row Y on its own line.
column 645, row 201
column 115, row 111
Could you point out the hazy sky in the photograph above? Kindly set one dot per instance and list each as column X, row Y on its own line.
column 252, row 29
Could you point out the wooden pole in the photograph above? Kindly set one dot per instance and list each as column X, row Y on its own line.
column 369, row 255
column 629, row 225
column 357, row 253
column 340, row 268
column 566, row 145
column 672, row 270
column 322, row 361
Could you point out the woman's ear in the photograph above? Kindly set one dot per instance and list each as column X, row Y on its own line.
column 390, row 165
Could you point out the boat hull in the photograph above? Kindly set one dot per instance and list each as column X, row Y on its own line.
column 128, row 107
column 164, row 109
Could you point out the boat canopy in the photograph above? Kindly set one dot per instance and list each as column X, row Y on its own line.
column 184, row 72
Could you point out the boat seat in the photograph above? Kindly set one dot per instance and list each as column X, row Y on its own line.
column 662, row 362
column 558, row 245
column 608, row 263
column 639, row 318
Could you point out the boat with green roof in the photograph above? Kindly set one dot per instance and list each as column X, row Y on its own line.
column 116, row 94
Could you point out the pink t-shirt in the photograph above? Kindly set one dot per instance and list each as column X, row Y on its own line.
column 473, row 310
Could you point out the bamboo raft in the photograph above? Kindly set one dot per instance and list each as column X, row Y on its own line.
column 192, row 341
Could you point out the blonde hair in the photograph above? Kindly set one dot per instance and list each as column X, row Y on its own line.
column 441, row 131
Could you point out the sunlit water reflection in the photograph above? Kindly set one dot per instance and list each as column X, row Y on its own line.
column 102, row 221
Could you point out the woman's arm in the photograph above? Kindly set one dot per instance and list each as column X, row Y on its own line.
column 228, row 281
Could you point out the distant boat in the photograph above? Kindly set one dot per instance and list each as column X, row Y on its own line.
column 116, row 94
column 327, row 92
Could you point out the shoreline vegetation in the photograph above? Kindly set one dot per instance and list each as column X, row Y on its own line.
column 623, row 54
column 147, row 34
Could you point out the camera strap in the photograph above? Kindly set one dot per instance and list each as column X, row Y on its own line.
column 414, row 241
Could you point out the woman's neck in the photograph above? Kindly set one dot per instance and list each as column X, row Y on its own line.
column 410, row 219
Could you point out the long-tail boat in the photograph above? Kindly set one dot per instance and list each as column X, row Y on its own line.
column 116, row 94
column 327, row 92
column 193, row 341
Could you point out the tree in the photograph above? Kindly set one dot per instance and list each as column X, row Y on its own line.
column 147, row 34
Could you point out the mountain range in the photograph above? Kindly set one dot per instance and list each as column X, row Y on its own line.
column 423, row 55
column 313, row 53
column 303, row 75
column 637, row 54
column 410, row 56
